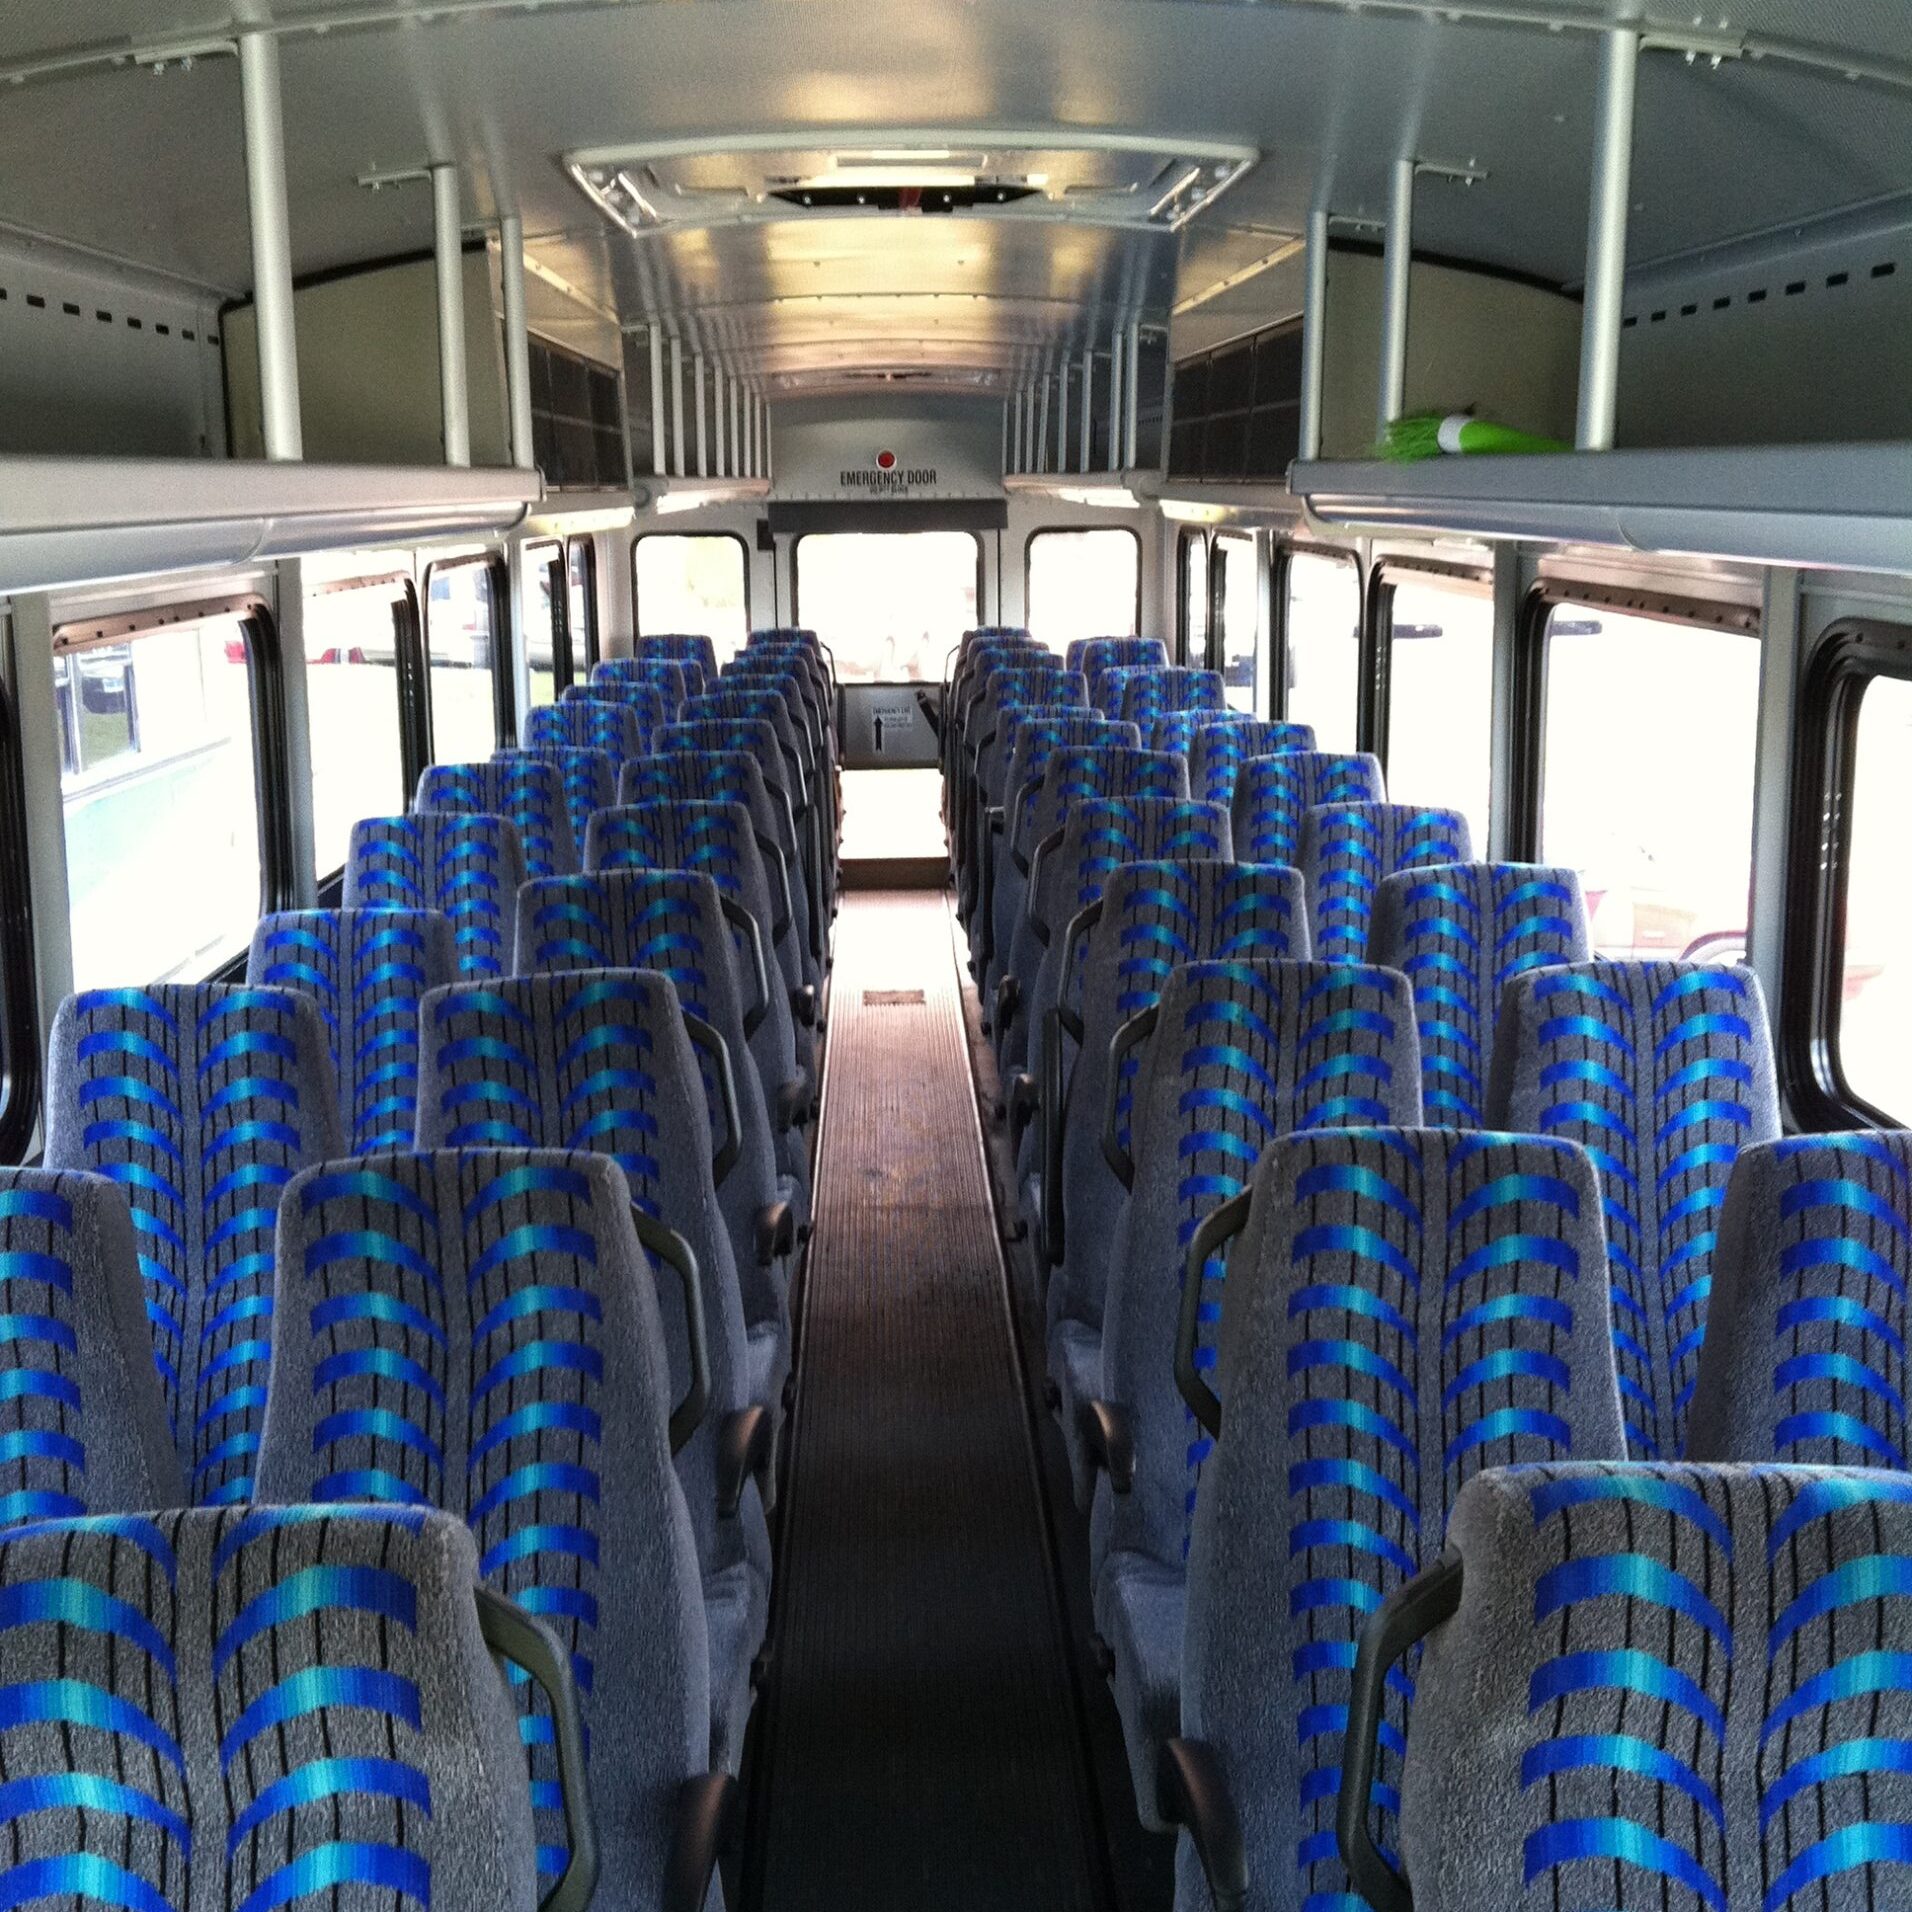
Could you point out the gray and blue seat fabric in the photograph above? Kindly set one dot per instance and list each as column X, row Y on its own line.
column 735, row 776
column 601, row 1063
column 1217, row 752
column 673, row 679
column 1460, row 933
column 1177, row 729
column 1032, row 681
column 1151, row 919
column 1107, row 685
column 524, row 790
column 1152, row 694
column 1406, row 1309
column 674, row 923
column 816, row 828
column 1273, row 793
column 648, row 703
column 258, row 1706
column 83, row 1425
column 793, row 683
column 715, row 840
column 368, row 971
column 1664, row 1072
column 477, row 1331
column 1348, row 849
column 1075, row 774
column 466, row 867
column 1100, row 837
column 1804, row 1361
column 973, row 674
column 1662, row 1686
column 680, row 647
column 588, row 777
column 202, row 1102
column 1235, row 1055
column 1093, row 655
column 593, row 723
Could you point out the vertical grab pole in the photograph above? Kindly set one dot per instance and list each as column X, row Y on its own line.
column 449, row 248
column 1131, row 431
column 1042, row 427
column 1601, row 327
column 703, row 415
column 678, row 460
column 1314, row 334
column 271, row 246
column 738, row 469
column 517, row 339
column 1396, row 271
column 720, row 407
column 660, row 426
column 1115, row 397
column 1088, row 405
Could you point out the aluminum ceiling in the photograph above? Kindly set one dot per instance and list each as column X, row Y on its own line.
column 146, row 165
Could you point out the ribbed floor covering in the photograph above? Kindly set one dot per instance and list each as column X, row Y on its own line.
column 921, row 1744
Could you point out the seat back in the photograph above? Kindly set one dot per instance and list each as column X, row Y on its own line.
column 1177, row 730
column 1034, row 735
column 466, row 867
column 592, row 723
column 762, row 706
column 589, row 778
column 1240, row 1054
column 1668, row 1686
column 1405, row 1309
column 1217, row 752
column 1093, row 655
column 367, row 970
column 1152, row 694
column 83, row 1426
column 1461, row 932
column 202, row 1102
column 672, row 678
column 1807, row 1324
column 649, row 703
column 477, row 1331
column 1347, row 849
column 678, row 647
column 1664, row 1071
column 248, row 1706
column 526, row 791
column 1273, row 793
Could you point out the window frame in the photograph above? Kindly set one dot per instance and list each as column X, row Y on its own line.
column 736, row 537
column 581, row 544
column 1216, row 659
column 796, row 577
column 1187, row 538
column 265, row 683
column 1281, row 557
column 1377, row 634
column 1848, row 656
column 20, row 1053
column 1051, row 530
column 504, row 656
column 550, row 556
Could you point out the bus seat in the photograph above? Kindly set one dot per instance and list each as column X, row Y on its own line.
column 469, row 867
column 526, row 791
column 1347, row 848
column 1272, row 794
column 1217, row 752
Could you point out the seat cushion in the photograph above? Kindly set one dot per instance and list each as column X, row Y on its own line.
column 1075, row 1366
column 736, row 1612
column 1142, row 1606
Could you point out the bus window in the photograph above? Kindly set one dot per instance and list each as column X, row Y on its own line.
column 1875, row 1018
column 1193, row 608
column 352, row 704
column 545, row 599
column 1322, row 623
column 1441, row 697
column 462, row 649
column 694, row 583
column 580, row 559
column 1083, row 584
column 164, row 873
column 1238, row 619
column 891, row 604
column 1650, row 798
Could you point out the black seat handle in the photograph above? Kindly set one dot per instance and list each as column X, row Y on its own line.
column 1080, row 924
column 775, row 861
column 1054, row 1113
column 747, row 926
column 1218, row 1229
column 710, row 1039
column 669, row 1247
column 515, row 1635
column 1405, row 1618
column 1133, row 1033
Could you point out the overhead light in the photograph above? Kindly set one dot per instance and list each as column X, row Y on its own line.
column 673, row 502
column 898, row 155
column 1100, row 497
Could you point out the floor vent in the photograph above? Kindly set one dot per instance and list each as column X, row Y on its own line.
column 892, row 999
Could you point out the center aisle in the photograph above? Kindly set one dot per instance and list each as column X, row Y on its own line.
column 921, row 1746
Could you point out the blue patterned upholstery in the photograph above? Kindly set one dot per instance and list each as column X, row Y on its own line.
column 1664, row 1071
column 368, row 970
column 1273, row 793
column 1405, row 1309
column 477, row 1331
column 679, row 647
column 466, row 867
column 1461, row 932
column 589, row 779
column 593, row 724
column 528, row 792
column 1093, row 655
column 1177, row 730
column 649, row 703
column 674, row 923
column 1107, row 685
column 1348, row 848
column 254, row 1708
column 974, row 673
column 676, row 680
column 1805, row 1354
column 83, row 1425
column 1152, row 694
column 1154, row 918
column 1217, row 752
column 599, row 1062
column 1670, row 1687
column 202, row 1102
column 762, row 706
